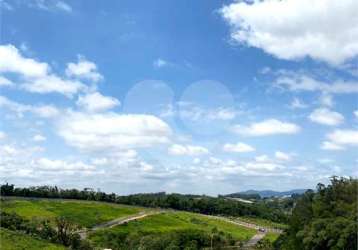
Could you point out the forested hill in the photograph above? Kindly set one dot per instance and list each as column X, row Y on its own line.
column 192, row 203
column 265, row 193
column 326, row 219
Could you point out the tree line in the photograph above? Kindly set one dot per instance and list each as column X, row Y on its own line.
column 191, row 203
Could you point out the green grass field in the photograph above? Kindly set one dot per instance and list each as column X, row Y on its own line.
column 175, row 221
column 88, row 214
column 271, row 236
column 82, row 213
column 10, row 240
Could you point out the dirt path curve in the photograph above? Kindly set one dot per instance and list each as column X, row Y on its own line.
column 116, row 222
column 248, row 225
column 253, row 241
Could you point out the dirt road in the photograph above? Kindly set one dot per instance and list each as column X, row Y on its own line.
column 257, row 237
column 116, row 222
column 253, row 241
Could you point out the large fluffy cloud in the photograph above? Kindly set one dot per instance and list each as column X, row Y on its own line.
column 267, row 127
column 33, row 75
column 112, row 131
column 339, row 139
column 12, row 61
column 326, row 30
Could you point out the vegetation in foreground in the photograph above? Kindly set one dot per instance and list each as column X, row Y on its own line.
column 64, row 233
column 81, row 213
column 12, row 240
column 184, row 239
column 326, row 219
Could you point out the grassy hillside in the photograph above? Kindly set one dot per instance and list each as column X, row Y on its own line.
column 156, row 231
column 272, row 237
column 11, row 240
column 170, row 222
column 174, row 221
column 82, row 213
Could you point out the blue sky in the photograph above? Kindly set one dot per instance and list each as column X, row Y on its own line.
column 181, row 96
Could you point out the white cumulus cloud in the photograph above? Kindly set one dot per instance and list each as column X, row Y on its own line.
column 83, row 69
column 12, row 61
column 53, row 83
column 326, row 117
column 267, row 127
column 282, row 156
column 33, row 75
column 93, row 102
column 39, row 138
column 343, row 137
column 177, row 149
column 325, row 30
column 327, row 145
column 239, row 147
column 112, row 131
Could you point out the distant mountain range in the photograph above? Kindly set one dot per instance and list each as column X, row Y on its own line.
column 267, row 193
